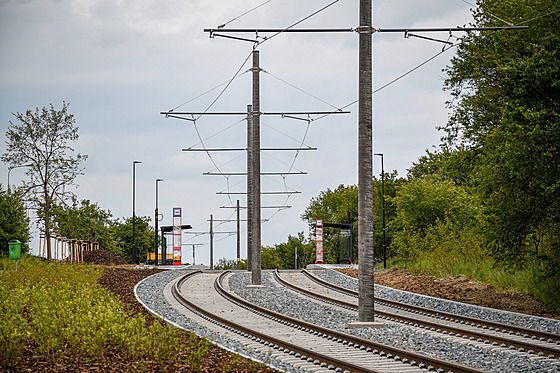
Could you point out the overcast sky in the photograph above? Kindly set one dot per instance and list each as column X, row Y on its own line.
column 119, row 63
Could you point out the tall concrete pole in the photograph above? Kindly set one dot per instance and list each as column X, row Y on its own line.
column 250, row 190
column 238, row 237
column 211, row 242
column 256, row 245
column 365, row 167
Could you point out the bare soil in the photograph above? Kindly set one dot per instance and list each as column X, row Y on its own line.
column 104, row 257
column 460, row 289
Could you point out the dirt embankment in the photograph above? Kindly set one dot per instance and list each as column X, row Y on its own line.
column 460, row 289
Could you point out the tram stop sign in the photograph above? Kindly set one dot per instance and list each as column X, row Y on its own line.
column 15, row 249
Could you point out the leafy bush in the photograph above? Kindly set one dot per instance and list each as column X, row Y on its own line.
column 438, row 221
column 61, row 311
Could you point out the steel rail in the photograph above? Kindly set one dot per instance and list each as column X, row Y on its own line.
column 258, row 335
column 505, row 328
column 358, row 342
column 434, row 326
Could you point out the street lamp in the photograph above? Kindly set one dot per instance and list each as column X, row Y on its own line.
column 383, row 198
column 10, row 170
column 134, row 210
column 156, row 223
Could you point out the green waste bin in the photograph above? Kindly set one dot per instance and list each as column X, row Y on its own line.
column 15, row 249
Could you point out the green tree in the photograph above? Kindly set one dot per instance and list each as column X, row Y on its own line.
column 41, row 139
column 506, row 113
column 437, row 219
column 457, row 165
column 333, row 206
column 84, row 221
column 14, row 224
column 282, row 256
column 143, row 233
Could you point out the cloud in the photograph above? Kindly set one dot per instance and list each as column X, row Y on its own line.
column 119, row 63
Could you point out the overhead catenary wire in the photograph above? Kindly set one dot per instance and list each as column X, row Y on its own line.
column 243, row 14
column 298, row 22
column 217, row 133
column 406, row 73
column 301, row 90
column 206, row 92
column 487, row 12
column 539, row 17
column 237, row 74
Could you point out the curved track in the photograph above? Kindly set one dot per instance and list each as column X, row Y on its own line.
column 506, row 336
column 203, row 293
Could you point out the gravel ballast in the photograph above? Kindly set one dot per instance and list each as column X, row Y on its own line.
column 438, row 304
column 280, row 299
column 150, row 292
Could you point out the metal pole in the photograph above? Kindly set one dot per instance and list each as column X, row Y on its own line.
column 256, row 246
column 295, row 264
column 365, row 167
column 193, row 262
column 238, row 238
column 134, row 210
column 250, row 190
column 156, row 224
column 163, row 248
column 383, row 198
column 350, row 239
column 211, row 242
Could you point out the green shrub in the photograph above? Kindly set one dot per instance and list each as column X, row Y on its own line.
column 60, row 310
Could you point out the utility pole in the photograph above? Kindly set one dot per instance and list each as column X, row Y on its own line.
column 194, row 245
column 250, row 194
column 238, row 236
column 211, row 242
column 156, row 225
column 383, row 199
column 365, row 167
column 134, row 210
column 365, row 137
column 256, row 190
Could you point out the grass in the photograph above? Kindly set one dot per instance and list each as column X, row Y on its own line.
column 60, row 311
column 523, row 281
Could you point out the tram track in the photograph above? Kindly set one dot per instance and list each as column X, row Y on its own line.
column 203, row 293
column 496, row 334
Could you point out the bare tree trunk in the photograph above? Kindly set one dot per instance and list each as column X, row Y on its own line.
column 365, row 168
column 48, row 230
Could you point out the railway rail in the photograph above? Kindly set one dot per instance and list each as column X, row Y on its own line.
column 506, row 336
column 324, row 348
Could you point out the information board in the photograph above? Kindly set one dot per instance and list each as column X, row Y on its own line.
column 319, row 241
column 177, row 236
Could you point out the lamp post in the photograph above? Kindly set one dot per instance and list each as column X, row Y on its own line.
column 134, row 210
column 10, row 170
column 383, row 198
column 156, row 223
